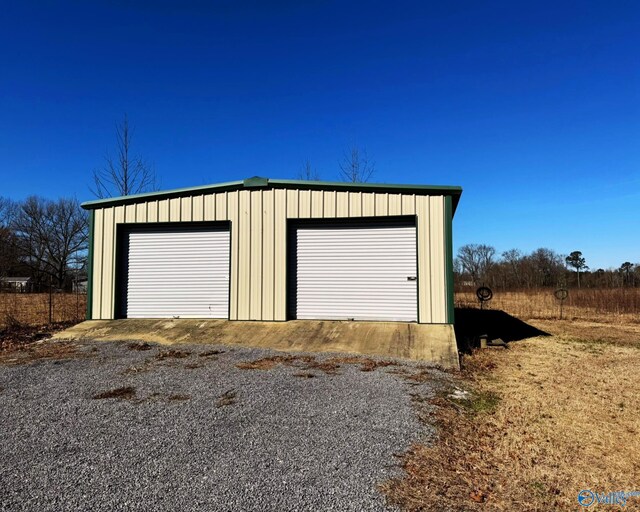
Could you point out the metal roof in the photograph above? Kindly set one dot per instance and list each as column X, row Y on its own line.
column 259, row 182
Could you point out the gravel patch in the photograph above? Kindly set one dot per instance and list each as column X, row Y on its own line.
column 119, row 427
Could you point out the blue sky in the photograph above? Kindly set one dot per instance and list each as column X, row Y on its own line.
column 534, row 109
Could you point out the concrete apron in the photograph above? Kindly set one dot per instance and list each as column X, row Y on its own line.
column 433, row 343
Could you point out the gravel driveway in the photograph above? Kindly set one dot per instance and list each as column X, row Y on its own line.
column 195, row 432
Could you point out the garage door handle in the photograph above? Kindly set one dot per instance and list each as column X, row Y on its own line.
column 412, row 278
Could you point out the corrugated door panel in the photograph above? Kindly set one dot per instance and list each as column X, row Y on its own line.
column 177, row 272
column 360, row 271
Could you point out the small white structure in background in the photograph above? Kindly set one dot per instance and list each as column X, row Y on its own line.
column 80, row 286
column 15, row 284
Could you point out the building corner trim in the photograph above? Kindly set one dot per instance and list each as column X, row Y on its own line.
column 90, row 266
column 448, row 234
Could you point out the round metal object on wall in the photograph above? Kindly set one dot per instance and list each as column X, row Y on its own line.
column 561, row 293
column 484, row 294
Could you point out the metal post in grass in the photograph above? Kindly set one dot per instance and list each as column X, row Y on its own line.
column 561, row 294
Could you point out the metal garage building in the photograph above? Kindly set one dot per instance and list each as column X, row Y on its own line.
column 263, row 249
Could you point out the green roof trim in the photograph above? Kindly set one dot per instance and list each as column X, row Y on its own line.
column 260, row 182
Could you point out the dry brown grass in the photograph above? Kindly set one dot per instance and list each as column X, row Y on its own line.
column 172, row 354
column 330, row 366
column 227, row 398
column 45, row 350
column 610, row 305
column 546, row 418
column 33, row 308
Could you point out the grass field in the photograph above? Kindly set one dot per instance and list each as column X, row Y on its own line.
column 607, row 305
column 542, row 420
column 32, row 309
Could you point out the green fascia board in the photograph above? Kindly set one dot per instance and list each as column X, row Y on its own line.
column 90, row 267
column 259, row 182
column 448, row 240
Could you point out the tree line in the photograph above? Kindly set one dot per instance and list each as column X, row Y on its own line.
column 477, row 264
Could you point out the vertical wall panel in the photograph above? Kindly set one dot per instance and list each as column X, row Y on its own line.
column 141, row 212
column 108, row 263
column 382, row 204
column 409, row 204
column 280, row 255
column 304, row 207
column 424, row 274
column 152, row 211
column 395, row 204
column 342, row 204
column 292, row 204
column 355, row 204
column 329, row 207
column 317, row 204
column 267, row 255
column 368, row 204
column 232, row 215
column 209, row 207
column 185, row 209
column 437, row 259
column 221, row 206
column 163, row 210
column 244, row 254
column 130, row 213
column 197, row 209
column 255, row 258
column 98, row 256
column 175, row 209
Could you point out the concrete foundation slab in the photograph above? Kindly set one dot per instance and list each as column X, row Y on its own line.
column 433, row 343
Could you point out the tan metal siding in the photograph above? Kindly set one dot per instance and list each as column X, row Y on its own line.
column 259, row 238
column 255, row 258
column 108, row 262
column 197, row 209
column 268, row 244
column 98, row 254
column 280, row 258
column 152, row 211
column 232, row 215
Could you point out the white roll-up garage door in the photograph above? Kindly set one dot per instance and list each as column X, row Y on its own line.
column 180, row 272
column 361, row 271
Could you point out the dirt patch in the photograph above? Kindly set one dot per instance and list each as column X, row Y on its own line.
column 124, row 393
column 227, row 398
column 266, row 363
column 172, row 354
column 44, row 350
column 528, row 428
column 17, row 335
column 330, row 366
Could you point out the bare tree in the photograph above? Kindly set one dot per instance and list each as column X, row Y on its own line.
column 51, row 237
column 9, row 261
column 124, row 174
column 476, row 260
column 308, row 173
column 356, row 166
